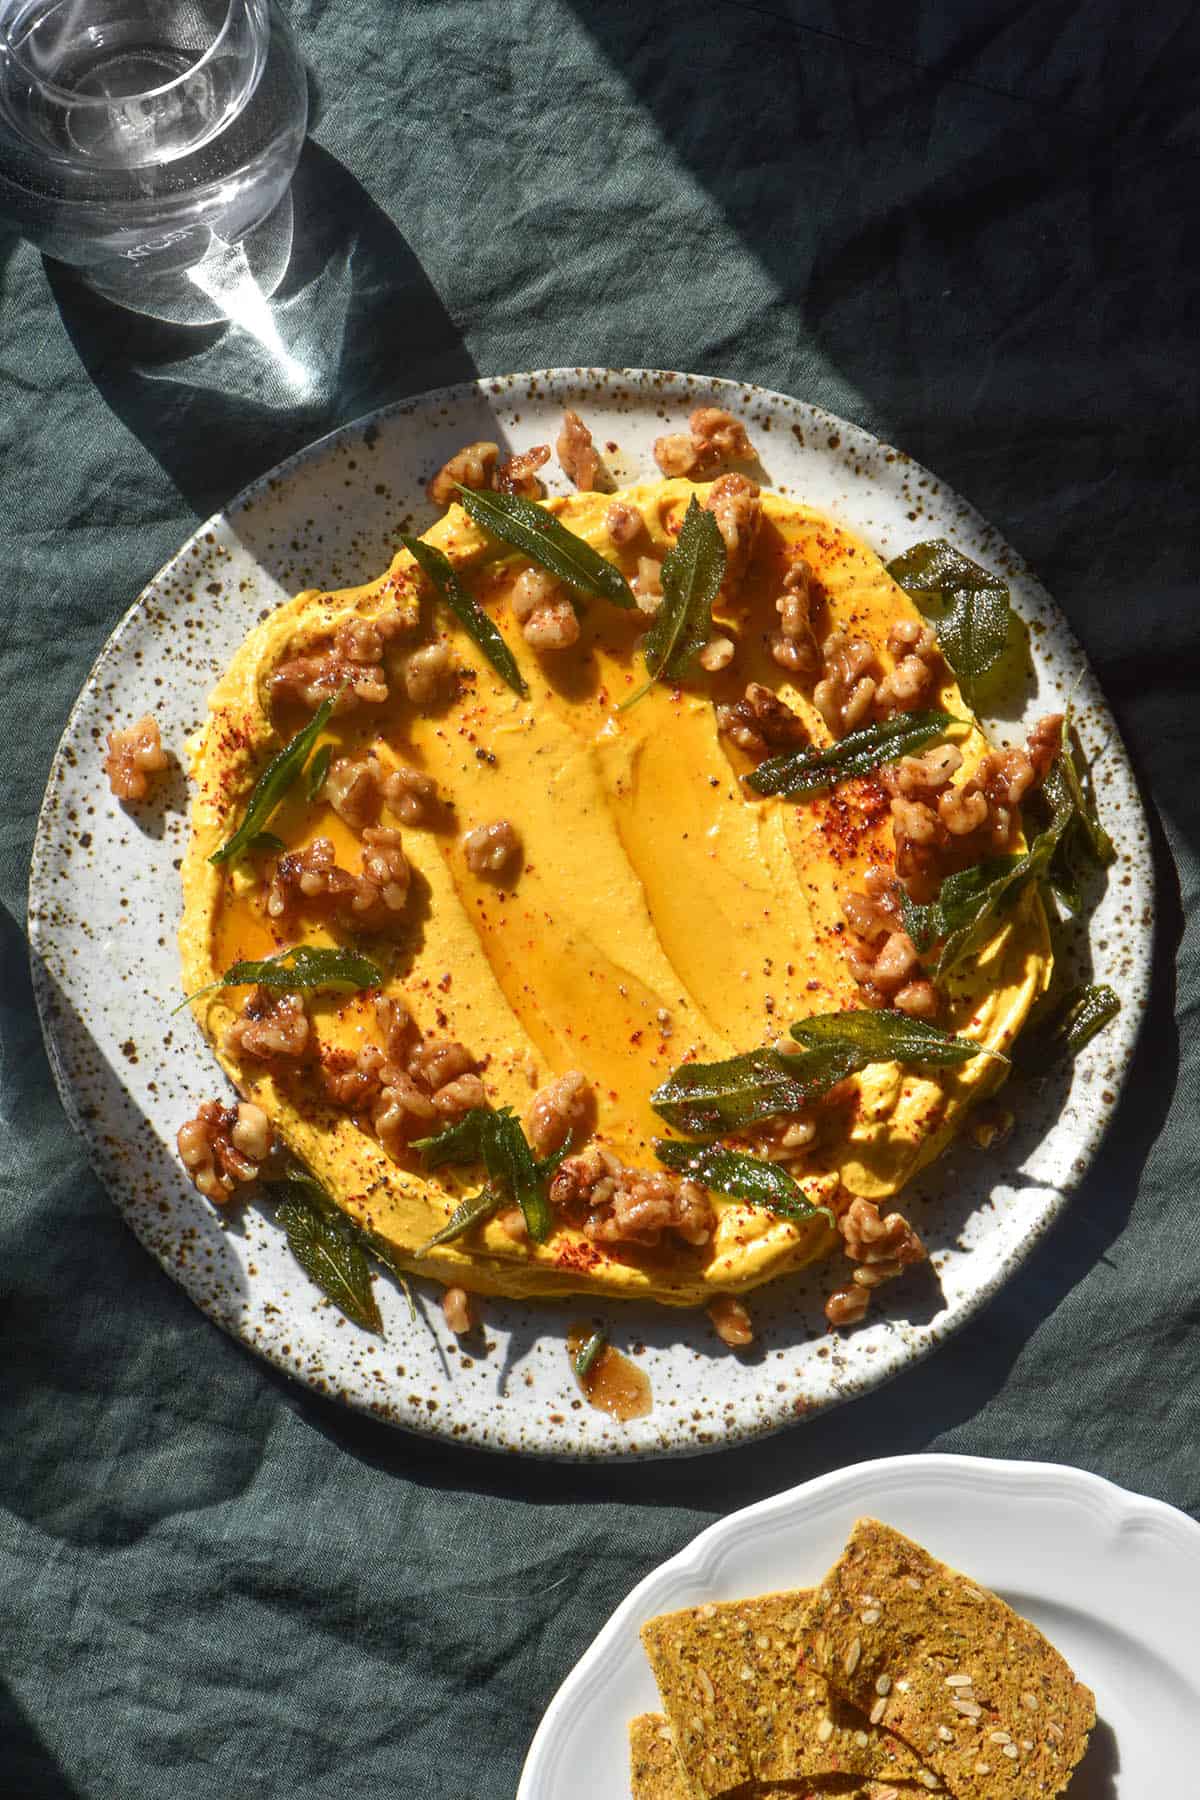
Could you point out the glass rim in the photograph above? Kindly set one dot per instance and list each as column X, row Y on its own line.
column 69, row 95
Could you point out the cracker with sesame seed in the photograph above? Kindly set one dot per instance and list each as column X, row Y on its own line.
column 656, row 1774
column 973, row 1687
column 746, row 1704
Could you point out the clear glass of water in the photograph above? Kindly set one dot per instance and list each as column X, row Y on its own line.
column 141, row 140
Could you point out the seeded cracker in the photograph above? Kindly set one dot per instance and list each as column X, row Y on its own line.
column 655, row 1774
column 974, row 1688
column 745, row 1703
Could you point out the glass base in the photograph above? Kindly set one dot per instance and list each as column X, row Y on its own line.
column 227, row 284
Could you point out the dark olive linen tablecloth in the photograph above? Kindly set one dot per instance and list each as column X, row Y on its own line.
column 972, row 229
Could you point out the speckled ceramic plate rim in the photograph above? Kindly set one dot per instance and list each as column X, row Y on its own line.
column 579, row 1746
column 861, row 1362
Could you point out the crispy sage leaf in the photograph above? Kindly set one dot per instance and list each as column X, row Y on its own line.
column 1073, row 1023
column 800, row 772
column 497, row 1141
column 510, row 1162
column 304, row 966
column 590, row 1355
column 886, row 1036
column 318, row 769
column 331, row 1257
column 970, row 606
column 461, row 1142
column 728, row 1096
column 742, row 1177
column 274, row 782
column 466, row 609
column 692, row 572
column 468, row 1212
column 545, row 540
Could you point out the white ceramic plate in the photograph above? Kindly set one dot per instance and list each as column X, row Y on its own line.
column 104, row 906
column 1111, row 1578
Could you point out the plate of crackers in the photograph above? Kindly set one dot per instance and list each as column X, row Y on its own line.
column 982, row 1630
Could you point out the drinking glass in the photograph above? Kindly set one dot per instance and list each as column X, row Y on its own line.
column 141, row 139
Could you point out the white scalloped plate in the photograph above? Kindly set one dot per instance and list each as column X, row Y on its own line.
column 1111, row 1578
column 104, row 906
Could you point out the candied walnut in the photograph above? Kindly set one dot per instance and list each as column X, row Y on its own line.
column 577, row 454
column 541, row 607
column 847, row 1305
column 785, row 1139
column 760, row 721
column 920, row 776
column 846, row 690
column 402, row 1112
column 456, row 1308
column 915, row 648
column 410, row 794
column 794, row 646
column 437, row 1061
column 350, row 1080
column 381, row 891
column 875, row 1241
column 489, row 849
column 518, row 474
column 560, row 1110
column 919, row 835
column 717, row 654
column 713, row 426
column 874, row 914
column 1043, row 744
column 647, row 584
column 734, row 503
column 352, row 789
column 620, row 1205
column 272, row 1025
column 731, row 1321
column 224, row 1146
column 883, row 959
column 623, row 523
column 355, row 786
column 134, row 755
column 310, row 875
column 471, row 467
column 350, row 670
column 680, row 456
column 399, row 1028
column 459, row 1097
column 425, row 673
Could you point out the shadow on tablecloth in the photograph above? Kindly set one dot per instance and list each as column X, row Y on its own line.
column 359, row 325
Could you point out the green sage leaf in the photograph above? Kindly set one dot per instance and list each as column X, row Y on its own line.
column 799, row 772
column 274, row 782
column 497, row 1141
column 318, row 769
column 726, row 1096
column 546, row 541
column 468, row 1212
column 590, row 1355
column 692, row 572
column 971, row 608
column 466, row 609
column 293, row 971
column 886, row 1036
column 331, row 1257
column 742, row 1177
column 1073, row 1023
column 461, row 1142
column 266, row 842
